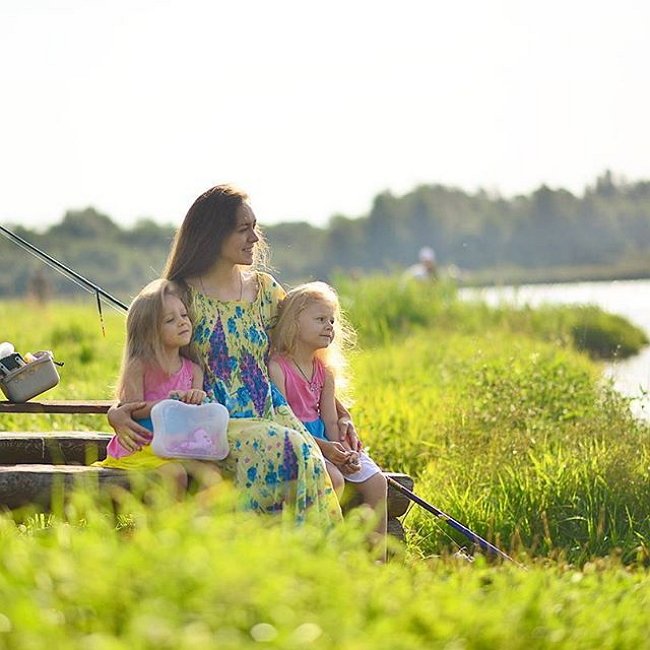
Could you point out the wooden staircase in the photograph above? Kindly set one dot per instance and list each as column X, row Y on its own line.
column 37, row 467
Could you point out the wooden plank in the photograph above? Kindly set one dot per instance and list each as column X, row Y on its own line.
column 60, row 447
column 80, row 407
column 37, row 485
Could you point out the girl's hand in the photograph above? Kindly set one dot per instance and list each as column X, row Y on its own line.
column 334, row 452
column 132, row 436
column 352, row 465
column 192, row 396
column 348, row 434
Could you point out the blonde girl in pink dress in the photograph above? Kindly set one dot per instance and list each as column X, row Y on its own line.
column 307, row 364
column 156, row 365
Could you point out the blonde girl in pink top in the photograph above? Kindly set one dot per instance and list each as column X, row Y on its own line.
column 156, row 365
column 307, row 365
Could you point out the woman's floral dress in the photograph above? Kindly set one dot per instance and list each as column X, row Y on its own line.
column 273, row 460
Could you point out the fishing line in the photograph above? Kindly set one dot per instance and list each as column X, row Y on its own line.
column 68, row 273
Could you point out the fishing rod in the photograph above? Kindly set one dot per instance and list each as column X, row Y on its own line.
column 456, row 525
column 66, row 271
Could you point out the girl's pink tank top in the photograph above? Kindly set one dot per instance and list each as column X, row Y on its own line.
column 157, row 385
column 303, row 396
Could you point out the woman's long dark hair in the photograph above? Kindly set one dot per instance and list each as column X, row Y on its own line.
column 198, row 242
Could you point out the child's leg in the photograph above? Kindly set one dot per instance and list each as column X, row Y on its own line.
column 204, row 482
column 338, row 482
column 374, row 493
column 175, row 475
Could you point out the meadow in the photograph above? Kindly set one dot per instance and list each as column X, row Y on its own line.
column 500, row 415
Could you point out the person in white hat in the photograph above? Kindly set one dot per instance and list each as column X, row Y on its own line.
column 426, row 268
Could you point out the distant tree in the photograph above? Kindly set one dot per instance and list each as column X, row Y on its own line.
column 608, row 224
column 147, row 233
column 85, row 224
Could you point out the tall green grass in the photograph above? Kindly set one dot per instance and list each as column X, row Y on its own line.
column 195, row 575
column 517, row 437
column 501, row 422
column 384, row 308
column 524, row 443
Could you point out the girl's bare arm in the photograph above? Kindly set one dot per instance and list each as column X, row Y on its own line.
column 346, row 427
column 328, row 413
column 197, row 376
column 122, row 417
column 133, row 390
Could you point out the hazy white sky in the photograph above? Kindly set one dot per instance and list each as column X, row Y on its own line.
column 136, row 106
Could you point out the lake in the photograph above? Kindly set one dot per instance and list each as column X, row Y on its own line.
column 629, row 298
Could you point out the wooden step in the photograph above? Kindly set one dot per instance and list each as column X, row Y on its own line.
column 59, row 448
column 85, row 447
column 37, row 485
column 34, row 466
column 97, row 406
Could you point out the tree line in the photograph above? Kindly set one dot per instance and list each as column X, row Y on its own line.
column 609, row 224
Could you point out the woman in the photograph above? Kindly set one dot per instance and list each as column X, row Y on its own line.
column 273, row 461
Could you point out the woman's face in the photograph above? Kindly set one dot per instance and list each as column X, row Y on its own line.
column 238, row 247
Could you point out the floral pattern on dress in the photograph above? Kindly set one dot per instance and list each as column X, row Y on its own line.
column 289, row 467
column 220, row 362
column 254, row 380
column 273, row 460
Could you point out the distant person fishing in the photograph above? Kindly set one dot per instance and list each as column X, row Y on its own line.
column 426, row 268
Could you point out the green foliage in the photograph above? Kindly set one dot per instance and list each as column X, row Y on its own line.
column 520, row 441
column 606, row 335
column 384, row 308
column 194, row 575
column 514, row 435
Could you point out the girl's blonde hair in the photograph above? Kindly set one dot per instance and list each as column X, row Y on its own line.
column 143, row 328
column 285, row 333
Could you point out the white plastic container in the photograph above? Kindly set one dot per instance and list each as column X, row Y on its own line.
column 30, row 380
column 189, row 430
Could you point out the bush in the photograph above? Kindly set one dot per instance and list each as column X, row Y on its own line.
column 604, row 335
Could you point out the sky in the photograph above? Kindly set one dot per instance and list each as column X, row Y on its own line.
column 135, row 107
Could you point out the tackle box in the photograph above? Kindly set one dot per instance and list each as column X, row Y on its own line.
column 31, row 379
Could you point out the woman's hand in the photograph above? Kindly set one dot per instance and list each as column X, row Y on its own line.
column 191, row 396
column 132, row 436
column 348, row 434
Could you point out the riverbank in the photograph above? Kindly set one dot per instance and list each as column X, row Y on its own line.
column 638, row 269
column 631, row 376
